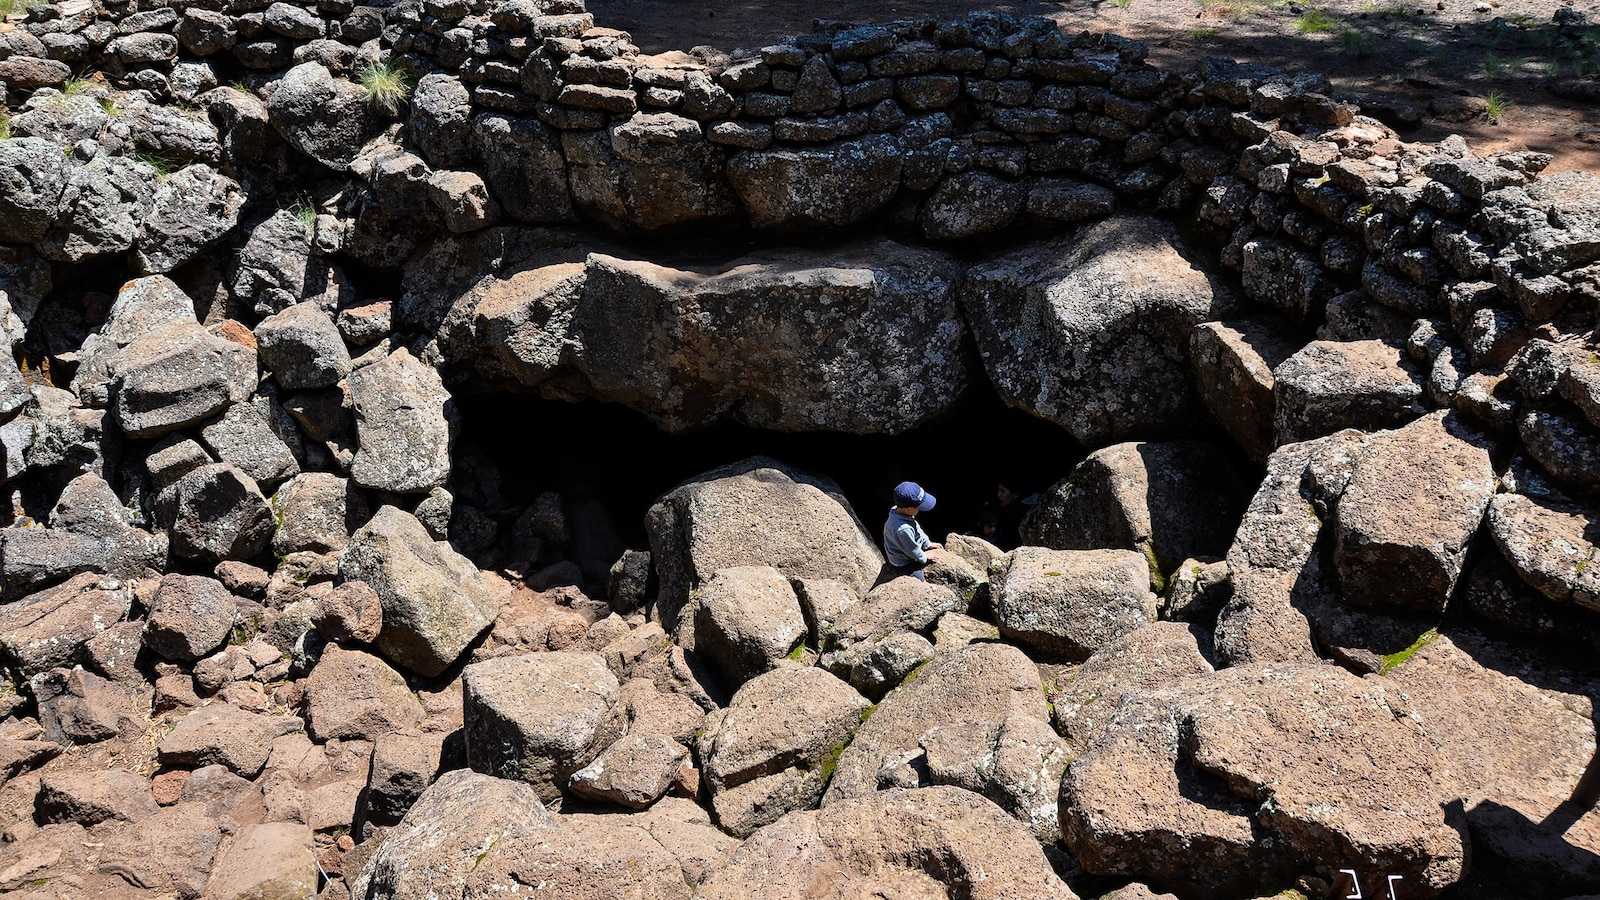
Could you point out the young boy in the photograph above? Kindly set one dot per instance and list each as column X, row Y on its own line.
column 904, row 542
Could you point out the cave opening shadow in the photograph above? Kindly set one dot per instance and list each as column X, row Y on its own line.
column 590, row 451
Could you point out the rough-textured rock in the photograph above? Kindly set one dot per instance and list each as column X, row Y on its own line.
column 1147, row 657
column 223, row 735
column 746, row 620
column 878, row 641
column 1093, row 334
column 219, row 514
column 1233, row 364
column 101, row 207
column 809, row 189
column 1550, row 543
column 275, row 859
column 1518, row 738
column 90, row 798
column 32, row 176
column 403, row 765
column 1329, row 385
column 1169, row 500
column 772, row 749
column 435, row 602
column 302, row 348
column 326, row 118
column 191, row 210
column 171, row 851
column 1232, row 782
column 354, row 696
column 441, row 120
column 1272, row 563
column 405, row 421
column 316, row 511
column 1071, row 602
column 980, row 683
column 756, row 512
column 242, row 437
column 651, row 172
column 541, row 717
column 520, row 161
column 278, row 268
column 861, row 339
column 1408, row 513
column 192, row 616
column 634, row 772
column 177, row 376
column 473, row 835
column 49, row 629
column 898, row 843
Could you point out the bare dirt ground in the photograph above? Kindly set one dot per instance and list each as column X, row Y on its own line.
column 1481, row 68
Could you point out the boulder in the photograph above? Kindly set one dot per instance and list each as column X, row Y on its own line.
column 49, row 629
column 811, row 189
column 746, row 620
column 242, row 437
column 651, row 172
column 473, row 835
column 277, row 267
column 302, row 348
column 634, row 772
column 191, row 617
column 353, row 695
column 860, row 339
column 441, row 120
column 317, row 511
column 1235, row 782
column 352, row 611
column 1069, row 603
column 1093, row 334
column 979, row 686
column 92, row 797
column 403, row 765
column 1407, row 516
column 219, row 514
column 224, row 735
column 176, row 376
column 1084, row 699
column 1233, row 364
column 1551, row 543
column 1169, row 500
column 33, row 174
column 90, row 530
column 1512, row 723
column 191, row 210
column 540, row 717
column 875, row 642
column 1566, row 447
column 275, row 859
column 170, row 852
column 971, row 203
column 756, row 512
column 1329, row 385
column 1272, row 564
column 936, row 842
column 520, row 161
column 435, row 601
column 405, row 423
column 100, row 209
column 326, row 118
column 76, row 707
column 772, row 749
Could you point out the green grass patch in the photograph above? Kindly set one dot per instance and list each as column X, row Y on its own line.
column 1203, row 34
column 75, row 86
column 1392, row 661
column 16, row 7
column 5, row 125
column 799, row 650
column 1495, row 106
column 1315, row 21
column 1357, row 43
column 385, row 85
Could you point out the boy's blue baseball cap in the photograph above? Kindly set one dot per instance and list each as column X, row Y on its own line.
column 909, row 493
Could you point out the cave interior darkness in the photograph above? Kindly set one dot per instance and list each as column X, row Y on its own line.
column 593, row 451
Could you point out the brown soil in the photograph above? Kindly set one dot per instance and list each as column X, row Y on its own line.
column 1446, row 53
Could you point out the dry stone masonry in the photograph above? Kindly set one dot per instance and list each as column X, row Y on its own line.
column 1320, row 600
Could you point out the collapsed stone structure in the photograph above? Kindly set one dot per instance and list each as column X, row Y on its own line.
column 271, row 629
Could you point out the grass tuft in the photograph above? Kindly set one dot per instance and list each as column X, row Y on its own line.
column 1357, row 43
column 1495, row 106
column 1203, row 34
column 16, row 7
column 386, row 86
column 1314, row 21
column 5, row 125
column 305, row 213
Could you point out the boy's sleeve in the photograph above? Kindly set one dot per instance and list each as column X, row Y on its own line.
column 911, row 543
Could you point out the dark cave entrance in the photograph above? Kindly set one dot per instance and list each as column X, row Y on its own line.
column 611, row 455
